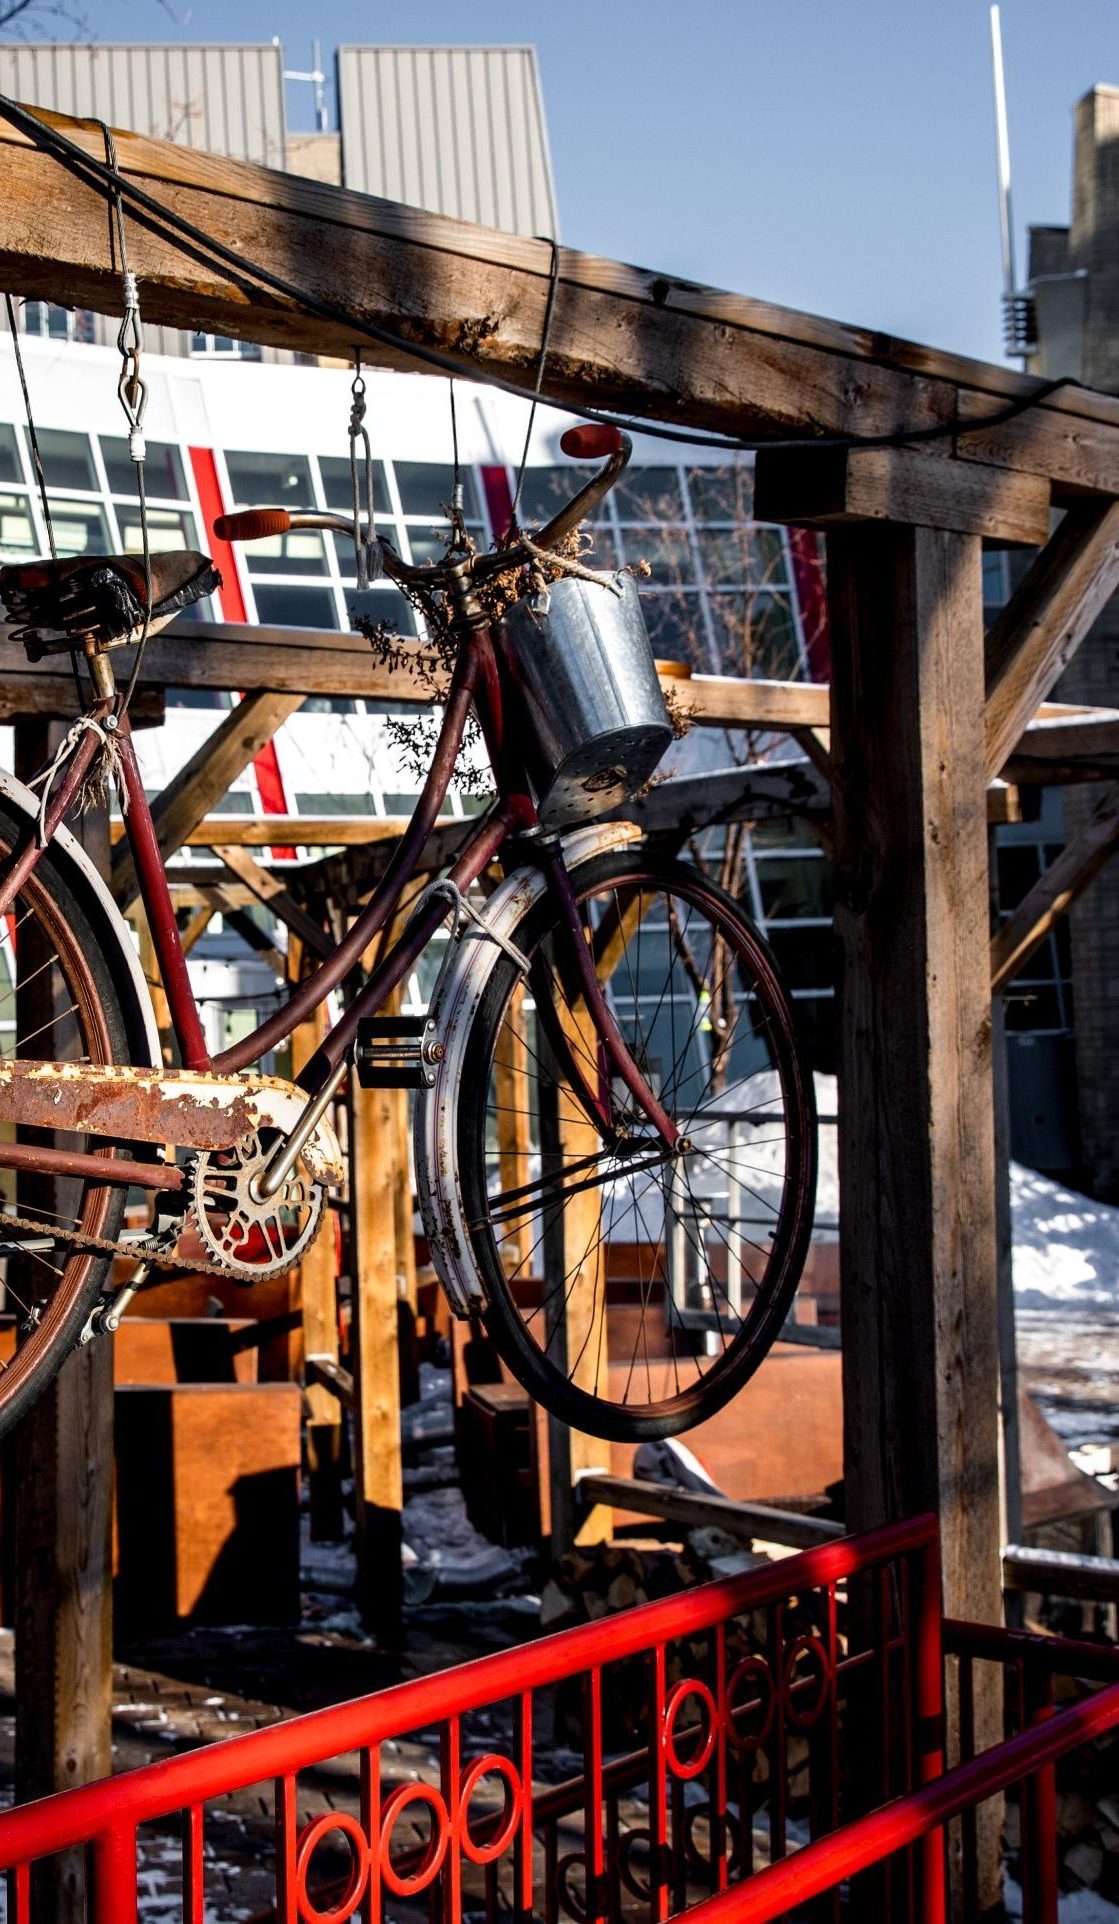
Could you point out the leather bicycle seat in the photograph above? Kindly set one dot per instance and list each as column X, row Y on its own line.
column 53, row 604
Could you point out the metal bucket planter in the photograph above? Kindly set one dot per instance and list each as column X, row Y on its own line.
column 590, row 703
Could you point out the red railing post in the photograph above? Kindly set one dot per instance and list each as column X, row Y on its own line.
column 1039, row 1817
column 929, row 1720
column 113, row 1862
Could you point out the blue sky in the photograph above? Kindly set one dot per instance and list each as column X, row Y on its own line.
column 833, row 155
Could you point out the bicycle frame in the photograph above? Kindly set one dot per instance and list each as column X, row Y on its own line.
column 477, row 681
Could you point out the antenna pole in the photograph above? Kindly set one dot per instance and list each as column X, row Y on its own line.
column 1006, row 223
column 1010, row 302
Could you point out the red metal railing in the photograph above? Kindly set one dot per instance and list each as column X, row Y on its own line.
column 745, row 1749
column 713, row 1730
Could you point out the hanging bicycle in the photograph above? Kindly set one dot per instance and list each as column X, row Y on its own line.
column 614, row 1131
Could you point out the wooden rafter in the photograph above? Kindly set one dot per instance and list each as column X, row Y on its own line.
column 1035, row 636
column 1054, row 892
column 202, row 781
column 629, row 337
column 274, row 896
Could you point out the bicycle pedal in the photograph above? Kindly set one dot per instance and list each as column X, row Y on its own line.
column 397, row 1052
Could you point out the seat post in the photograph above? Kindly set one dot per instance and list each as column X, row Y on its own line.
column 100, row 669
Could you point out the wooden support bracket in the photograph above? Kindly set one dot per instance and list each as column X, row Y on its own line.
column 203, row 780
column 1054, row 892
column 1035, row 636
column 824, row 489
column 275, row 897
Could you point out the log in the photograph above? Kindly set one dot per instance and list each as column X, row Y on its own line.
column 628, row 337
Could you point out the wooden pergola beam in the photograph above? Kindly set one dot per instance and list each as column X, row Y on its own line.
column 287, row 831
column 271, row 893
column 623, row 337
column 1035, row 636
column 206, row 777
column 1055, row 891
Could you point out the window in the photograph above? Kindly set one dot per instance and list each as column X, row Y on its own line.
column 49, row 322
column 164, row 477
column 224, row 347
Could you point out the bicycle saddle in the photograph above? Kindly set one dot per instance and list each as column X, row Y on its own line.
column 53, row 604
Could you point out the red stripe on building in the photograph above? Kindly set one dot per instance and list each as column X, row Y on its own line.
column 812, row 601
column 266, row 763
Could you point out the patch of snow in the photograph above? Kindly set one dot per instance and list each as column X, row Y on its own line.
column 1066, row 1247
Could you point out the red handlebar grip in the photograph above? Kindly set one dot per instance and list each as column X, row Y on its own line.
column 253, row 525
column 591, row 442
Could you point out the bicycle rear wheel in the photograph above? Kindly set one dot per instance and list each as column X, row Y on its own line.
column 632, row 1291
column 57, row 1003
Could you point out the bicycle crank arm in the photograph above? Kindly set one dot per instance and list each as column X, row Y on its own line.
column 187, row 1107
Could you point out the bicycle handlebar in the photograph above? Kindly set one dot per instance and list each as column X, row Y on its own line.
column 589, row 441
column 252, row 524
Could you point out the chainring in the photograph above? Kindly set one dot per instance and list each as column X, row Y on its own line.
column 247, row 1235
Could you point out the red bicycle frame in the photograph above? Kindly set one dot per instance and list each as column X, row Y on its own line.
column 475, row 681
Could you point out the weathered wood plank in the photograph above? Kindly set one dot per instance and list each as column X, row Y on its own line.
column 626, row 337
column 154, row 163
column 1035, row 636
column 378, row 1471
column 287, row 831
column 833, row 486
column 917, row 1251
column 1059, row 443
column 271, row 892
column 1055, row 891
column 694, row 1509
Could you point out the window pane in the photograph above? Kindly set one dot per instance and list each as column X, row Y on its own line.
column 676, row 631
column 270, row 480
column 756, row 635
column 17, row 535
column 338, row 488
column 745, row 553
column 649, row 494
column 381, row 604
column 301, row 552
column 9, row 455
column 163, row 469
column 79, row 527
column 426, row 487
column 67, row 459
column 546, row 490
column 721, row 494
column 167, row 530
column 285, row 605
column 794, row 885
column 428, row 544
column 667, row 551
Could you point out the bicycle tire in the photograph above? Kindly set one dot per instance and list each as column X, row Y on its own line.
column 93, row 1023
column 636, row 874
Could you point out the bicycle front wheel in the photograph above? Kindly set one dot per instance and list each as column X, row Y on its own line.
column 631, row 1290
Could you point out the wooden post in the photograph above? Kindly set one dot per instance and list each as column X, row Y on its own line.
column 916, row 1125
column 58, row 1473
column 573, row 1240
column 378, row 1472
column 318, row 1298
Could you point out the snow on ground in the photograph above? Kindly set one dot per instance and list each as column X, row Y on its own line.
column 1066, row 1247
column 1066, row 1288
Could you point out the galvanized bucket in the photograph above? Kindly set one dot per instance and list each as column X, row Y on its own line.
column 595, row 723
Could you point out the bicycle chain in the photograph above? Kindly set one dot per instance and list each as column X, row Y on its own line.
column 142, row 1252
